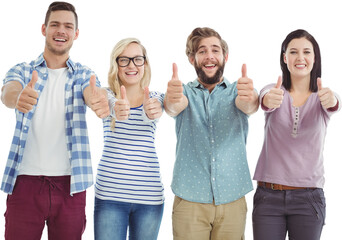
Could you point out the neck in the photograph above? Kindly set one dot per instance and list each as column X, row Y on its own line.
column 300, row 84
column 210, row 87
column 54, row 61
column 135, row 95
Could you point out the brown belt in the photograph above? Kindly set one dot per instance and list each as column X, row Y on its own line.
column 280, row 187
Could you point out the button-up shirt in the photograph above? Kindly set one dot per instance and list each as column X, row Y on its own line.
column 75, row 123
column 211, row 163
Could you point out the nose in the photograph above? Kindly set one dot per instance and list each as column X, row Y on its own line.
column 61, row 30
column 131, row 63
column 209, row 55
column 301, row 56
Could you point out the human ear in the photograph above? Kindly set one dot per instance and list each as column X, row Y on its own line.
column 44, row 30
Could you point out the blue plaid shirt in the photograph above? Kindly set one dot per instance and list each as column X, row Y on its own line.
column 75, row 123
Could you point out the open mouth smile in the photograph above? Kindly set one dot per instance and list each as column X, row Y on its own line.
column 210, row 66
column 131, row 73
column 59, row 39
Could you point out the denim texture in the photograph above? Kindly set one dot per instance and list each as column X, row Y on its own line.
column 112, row 219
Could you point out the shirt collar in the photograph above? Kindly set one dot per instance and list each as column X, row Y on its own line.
column 197, row 84
column 40, row 61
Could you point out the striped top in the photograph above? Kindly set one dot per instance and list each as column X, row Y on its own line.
column 129, row 169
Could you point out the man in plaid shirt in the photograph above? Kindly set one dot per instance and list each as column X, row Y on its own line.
column 49, row 166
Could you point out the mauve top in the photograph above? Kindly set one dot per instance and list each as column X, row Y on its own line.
column 292, row 153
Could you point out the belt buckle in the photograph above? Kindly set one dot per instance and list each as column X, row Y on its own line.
column 277, row 187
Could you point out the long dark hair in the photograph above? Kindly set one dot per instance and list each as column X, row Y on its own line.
column 317, row 68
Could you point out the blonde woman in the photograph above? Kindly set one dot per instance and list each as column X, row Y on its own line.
column 129, row 193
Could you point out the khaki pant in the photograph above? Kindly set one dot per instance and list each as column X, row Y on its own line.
column 207, row 221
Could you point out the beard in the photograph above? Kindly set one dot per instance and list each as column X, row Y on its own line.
column 209, row 80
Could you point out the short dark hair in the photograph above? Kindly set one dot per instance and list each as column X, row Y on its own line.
column 197, row 35
column 317, row 67
column 60, row 6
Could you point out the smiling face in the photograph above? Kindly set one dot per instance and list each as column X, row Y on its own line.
column 299, row 57
column 60, row 33
column 131, row 74
column 209, row 60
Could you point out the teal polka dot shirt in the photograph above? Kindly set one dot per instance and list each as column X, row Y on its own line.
column 211, row 163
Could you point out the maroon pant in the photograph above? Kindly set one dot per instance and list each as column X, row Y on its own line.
column 37, row 200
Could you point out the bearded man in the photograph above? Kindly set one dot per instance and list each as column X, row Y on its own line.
column 211, row 175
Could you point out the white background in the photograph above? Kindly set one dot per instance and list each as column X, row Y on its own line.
column 254, row 31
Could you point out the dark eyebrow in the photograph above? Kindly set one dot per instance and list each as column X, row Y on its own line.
column 67, row 23
column 305, row 49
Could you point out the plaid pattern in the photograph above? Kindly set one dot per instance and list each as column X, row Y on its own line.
column 75, row 122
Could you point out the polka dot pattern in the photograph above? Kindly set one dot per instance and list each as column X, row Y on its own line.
column 211, row 163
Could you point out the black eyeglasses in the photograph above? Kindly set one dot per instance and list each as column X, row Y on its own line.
column 125, row 61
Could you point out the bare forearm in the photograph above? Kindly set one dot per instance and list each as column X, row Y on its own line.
column 248, row 107
column 10, row 93
column 174, row 108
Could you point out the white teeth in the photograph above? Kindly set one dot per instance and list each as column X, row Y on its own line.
column 210, row 65
column 131, row 73
column 60, row 40
column 300, row 65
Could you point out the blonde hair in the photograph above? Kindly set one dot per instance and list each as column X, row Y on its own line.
column 114, row 81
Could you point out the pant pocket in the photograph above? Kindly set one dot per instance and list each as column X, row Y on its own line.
column 316, row 200
column 259, row 197
column 177, row 203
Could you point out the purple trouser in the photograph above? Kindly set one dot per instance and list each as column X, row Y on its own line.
column 37, row 200
column 301, row 213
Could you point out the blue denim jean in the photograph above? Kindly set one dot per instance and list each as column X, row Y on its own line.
column 112, row 219
column 298, row 213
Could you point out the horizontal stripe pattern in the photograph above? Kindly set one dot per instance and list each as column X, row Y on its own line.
column 129, row 168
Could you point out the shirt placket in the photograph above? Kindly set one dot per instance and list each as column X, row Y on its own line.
column 295, row 123
column 68, row 110
column 213, row 168
column 27, row 118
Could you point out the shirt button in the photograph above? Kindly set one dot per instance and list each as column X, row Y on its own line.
column 212, row 140
column 213, row 179
column 213, row 159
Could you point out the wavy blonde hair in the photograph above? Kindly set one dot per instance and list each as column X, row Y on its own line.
column 114, row 81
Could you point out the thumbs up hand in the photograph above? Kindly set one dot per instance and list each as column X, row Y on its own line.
column 28, row 96
column 152, row 106
column 245, row 87
column 274, row 98
column 174, row 87
column 122, row 107
column 98, row 101
column 175, row 101
column 326, row 96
